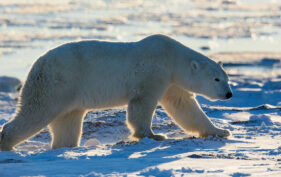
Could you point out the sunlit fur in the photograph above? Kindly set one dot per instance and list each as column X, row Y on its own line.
column 184, row 109
column 71, row 79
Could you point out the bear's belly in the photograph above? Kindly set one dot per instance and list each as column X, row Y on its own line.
column 105, row 95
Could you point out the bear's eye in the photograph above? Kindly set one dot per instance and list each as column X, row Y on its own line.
column 217, row 79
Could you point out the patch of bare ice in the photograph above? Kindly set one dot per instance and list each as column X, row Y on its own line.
column 35, row 7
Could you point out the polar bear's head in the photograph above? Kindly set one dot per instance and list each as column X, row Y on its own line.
column 205, row 77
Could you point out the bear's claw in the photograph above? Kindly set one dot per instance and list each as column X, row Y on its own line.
column 223, row 133
column 151, row 136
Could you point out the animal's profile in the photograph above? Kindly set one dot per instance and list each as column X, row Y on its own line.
column 73, row 78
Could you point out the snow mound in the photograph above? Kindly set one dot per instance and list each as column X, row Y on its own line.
column 157, row 172
column 9, row 84
column 260, row 120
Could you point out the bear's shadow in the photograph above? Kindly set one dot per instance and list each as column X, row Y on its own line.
column 117, row 158
column 133, row 157
column 120, row 158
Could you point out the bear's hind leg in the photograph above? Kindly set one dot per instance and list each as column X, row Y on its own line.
column 184, row 109
column 25, row 124
column 66, row 130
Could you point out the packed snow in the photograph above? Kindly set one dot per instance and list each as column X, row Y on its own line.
column 245, row 35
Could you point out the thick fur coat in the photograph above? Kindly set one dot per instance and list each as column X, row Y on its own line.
column 73, row 78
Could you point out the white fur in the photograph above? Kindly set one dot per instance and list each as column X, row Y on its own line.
column 69, row 80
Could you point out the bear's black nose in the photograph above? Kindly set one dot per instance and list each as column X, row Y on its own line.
column 228, row 95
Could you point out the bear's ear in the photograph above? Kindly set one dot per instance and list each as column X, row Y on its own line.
column 195, row 65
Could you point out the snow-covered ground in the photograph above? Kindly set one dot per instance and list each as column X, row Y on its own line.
column 225, row 30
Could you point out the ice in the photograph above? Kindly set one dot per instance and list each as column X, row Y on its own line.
column 244, row 34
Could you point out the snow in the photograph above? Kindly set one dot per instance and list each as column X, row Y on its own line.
column 254, row 149
column 245, row 35
column 9, row 84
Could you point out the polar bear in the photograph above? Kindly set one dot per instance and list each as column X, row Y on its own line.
column 73, row 78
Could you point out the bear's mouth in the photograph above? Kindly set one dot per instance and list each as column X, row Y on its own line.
column 228, row 95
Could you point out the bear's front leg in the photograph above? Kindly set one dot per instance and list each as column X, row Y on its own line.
column 184, row 109
column 150, row 85
column 139, row 118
